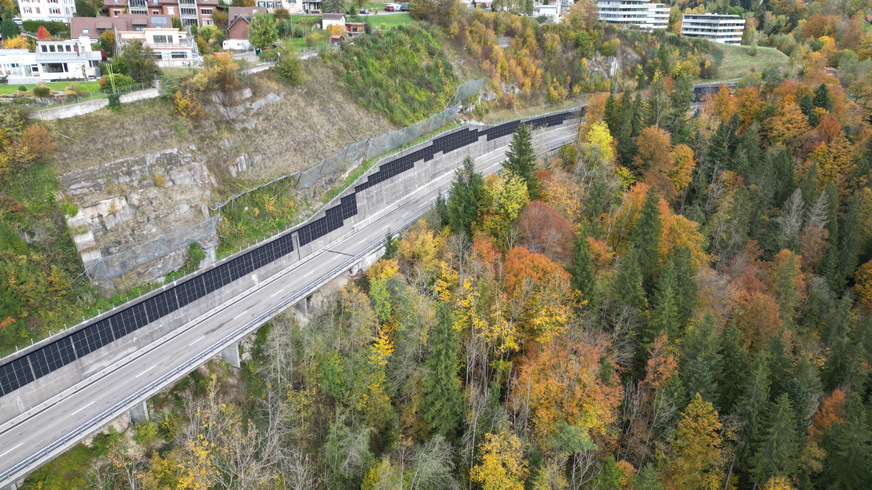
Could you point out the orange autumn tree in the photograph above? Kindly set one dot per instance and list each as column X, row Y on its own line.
column 563, row 382
column 545, row 231
column 830, row 411
column 537, row 294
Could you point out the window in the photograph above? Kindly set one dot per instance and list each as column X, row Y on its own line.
column 179, row 55
column 37, row 10
column 55, row 11
column 28, row 10
column 171, row 10
column 206, row 11
column 155, row 12
column 54, row 67
column 44, row 49
column 138, row 28
column 116, row 12
column 53, row 1
column 69, row 48
column 51, row 48
column 159, row 39
column 86, row 31
column 208, row 22
column 34, row 68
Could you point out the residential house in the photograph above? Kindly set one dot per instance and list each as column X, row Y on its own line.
column 47, row 10
column 330, row 20
column 191, row 12
column 717, row 28
column 637, row 14
column 354, row 29
column 238, row 20
column 19, row 66
column 73, row 59
column 172, row 47
column 552, row 11
column 93, row 27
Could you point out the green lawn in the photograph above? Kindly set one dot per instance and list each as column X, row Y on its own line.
column 737, row 62
column 58, row 86
column 390, row 20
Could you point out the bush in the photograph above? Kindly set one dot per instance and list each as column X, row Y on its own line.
column 187, row 104
column 121, row 82
column 114, row 101
column 22, row 88
column 41, row 91
column 268, row 55
column 196, row 254
column 289, row 66
column 53, row 28
column 752, row 51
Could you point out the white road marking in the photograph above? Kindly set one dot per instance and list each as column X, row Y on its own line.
column 147, row 370
column 280, row 291
column 86, row 406
column 199, row 339
column 309, row 274
column 16, row 447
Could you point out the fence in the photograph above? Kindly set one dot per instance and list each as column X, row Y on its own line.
column 466, row 90
column 57, row 101
column 117, row 264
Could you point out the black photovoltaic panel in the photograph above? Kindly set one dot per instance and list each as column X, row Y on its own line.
column 14, row 375
column 52, row 356
column 191, row 290
column 349, row 206
column 117, row 326
column 92, row 337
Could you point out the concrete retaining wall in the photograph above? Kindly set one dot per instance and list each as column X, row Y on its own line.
column 82, row 108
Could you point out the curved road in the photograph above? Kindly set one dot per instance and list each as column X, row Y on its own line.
column 95, row 401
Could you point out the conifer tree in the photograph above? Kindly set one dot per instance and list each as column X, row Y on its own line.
column 684, row 279
column 627, row 287
column 464, row 198
column 647, row 478
column 583, row 279
column 822, row 98
column 441, row 211
column 391, row 246
column 646, row 239
column 664, row 316
column 751, row 406
column 848, row 445
column 521, row 159
column 443, row 402
column 698, row 378
column 734, row 362
column 777, row 447
column 807, row 107
column 609, row 477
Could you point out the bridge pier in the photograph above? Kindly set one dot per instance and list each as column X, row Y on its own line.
column 230, row 355
column 139, row 412
column 303, row 306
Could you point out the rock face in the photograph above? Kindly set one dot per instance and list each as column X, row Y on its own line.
column 130, row 201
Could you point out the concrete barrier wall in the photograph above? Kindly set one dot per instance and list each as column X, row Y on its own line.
column 82, row 108
column 370, row 203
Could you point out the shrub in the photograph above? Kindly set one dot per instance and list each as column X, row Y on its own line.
column 41, row 91
column 268, row 55
column 187, row 104
column 114, row 101
column 53, row 28
column 196, row 254
column 38, row 141
column 752, row 51
column 289, row 66
column 120, row 81
column 22, row 88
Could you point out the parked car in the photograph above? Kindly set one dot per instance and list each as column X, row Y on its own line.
column 404, row 7
column 364, row 12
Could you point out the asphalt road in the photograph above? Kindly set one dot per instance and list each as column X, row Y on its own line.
column 30, row 433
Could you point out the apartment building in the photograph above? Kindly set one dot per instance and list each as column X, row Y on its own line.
column 717, row 28
column 47, row 10
column 634, row 14
column 191, row 12
column 172, row 47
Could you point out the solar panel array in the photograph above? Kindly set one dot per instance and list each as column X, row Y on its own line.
column 64, row 350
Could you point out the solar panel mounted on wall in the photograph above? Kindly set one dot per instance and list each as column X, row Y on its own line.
column 87, row 340
column 349, row 206
column 51, row 357
column 15, row 374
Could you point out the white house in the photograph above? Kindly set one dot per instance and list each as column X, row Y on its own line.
column 67, row 60
column 725, row 29
column 548, row 10
column 637, row 14
column 172, row 47
column 53, row 61
column 329, row 20
column 47, row 10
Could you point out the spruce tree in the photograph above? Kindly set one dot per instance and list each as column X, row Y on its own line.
column 807, row 107
column 751, row 406
column 443, row 402
column 627, row 287
column 609, row 477
column 647, row 478
column 583, row 279
column 822, row 98
column 521, row 159
column 464, row 198
column 9, row 29
column 734, row 362
column 699, row 378
column 646, row 239
column 777, row 447
column 686, row 288
column 391, row 246
column 848, row 446
column 664, row 316
column 441, row 211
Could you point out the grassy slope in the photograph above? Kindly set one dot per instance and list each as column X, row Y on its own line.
column 57, row 86
column 737, row 62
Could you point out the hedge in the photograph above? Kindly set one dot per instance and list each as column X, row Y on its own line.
column 53, row 28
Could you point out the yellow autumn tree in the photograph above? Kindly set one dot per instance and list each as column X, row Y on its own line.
column 502, row 465
column 697, row 448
